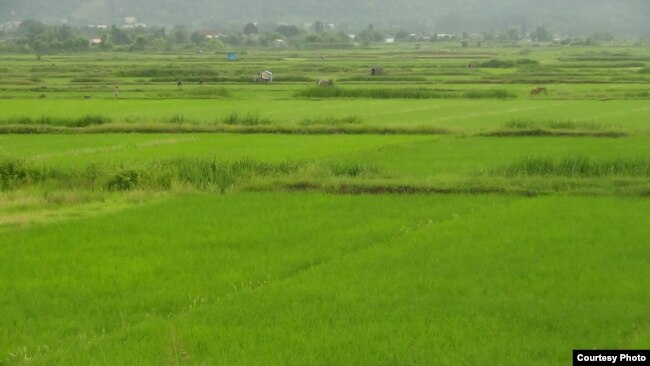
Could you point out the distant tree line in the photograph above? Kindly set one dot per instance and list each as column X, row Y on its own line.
column 41, row 39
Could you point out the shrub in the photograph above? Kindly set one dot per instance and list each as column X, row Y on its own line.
column 12, row 171
column 123, row 180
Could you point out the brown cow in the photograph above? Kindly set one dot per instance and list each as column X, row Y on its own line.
column 537, row 91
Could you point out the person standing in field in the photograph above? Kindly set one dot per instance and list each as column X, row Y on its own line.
column 117, row 91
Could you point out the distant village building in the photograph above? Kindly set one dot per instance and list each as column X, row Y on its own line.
column 8, row 26
column 102, row 26
column 279, row 43
column 130, row 20
column 389, row 40
column 95, row 41
column 444, row 36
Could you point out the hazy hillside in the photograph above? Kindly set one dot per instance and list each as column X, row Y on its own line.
column 623, row 17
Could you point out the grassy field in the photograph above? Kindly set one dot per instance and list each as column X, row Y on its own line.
column 289, row 278
column 437, row 214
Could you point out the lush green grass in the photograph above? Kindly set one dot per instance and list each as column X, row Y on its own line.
column 455, row 115
column 444, row 163
column 449, row 280
column 62, row 89
column 412, row 93
column 78, row 150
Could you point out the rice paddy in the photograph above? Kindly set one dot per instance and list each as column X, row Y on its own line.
column 436, row 214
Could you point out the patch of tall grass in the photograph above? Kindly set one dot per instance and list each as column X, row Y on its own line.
column 189, row 79
column 178, row 119
column 82, row 121
column 553, row 124
column 195, row 92
column 637, row 94
column 191, row 126
column 208, row 92
column 384, row 78
column 206, row 174
column 489, row 94
column 575, row 166
column 245, row 120
column 394, row 93
column 347, row 169
column 87, row 80
column 210, row 174
column 601, row 65
column 174, row 72
column 331, row 121
column 494, row 63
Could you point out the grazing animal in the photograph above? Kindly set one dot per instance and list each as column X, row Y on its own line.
column 537, row 91
column 180, row 83
column 263, row 77
column 325, row 82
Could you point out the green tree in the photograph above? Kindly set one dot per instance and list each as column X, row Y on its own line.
column 179, row 34
column 288, row 30
column 106, row 43
column 140, row 43
column 119, row 37
column 541, row 35
column 30, row 29
column 197, row 38
column 510, row 34
column 370, row 35
column 319, row 26
column 250, row 28
column 214, row 45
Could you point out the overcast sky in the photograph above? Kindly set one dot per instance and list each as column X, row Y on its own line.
column 571, row 17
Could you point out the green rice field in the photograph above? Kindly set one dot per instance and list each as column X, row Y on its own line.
column 435, row 215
